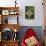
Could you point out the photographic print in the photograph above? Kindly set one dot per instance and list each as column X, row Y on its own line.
column 29, row 12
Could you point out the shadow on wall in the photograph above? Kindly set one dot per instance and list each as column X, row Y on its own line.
column 37, row 29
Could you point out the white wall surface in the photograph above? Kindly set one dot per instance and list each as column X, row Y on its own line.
column 38, row 21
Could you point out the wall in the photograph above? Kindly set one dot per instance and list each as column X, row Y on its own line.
column 38, row 21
